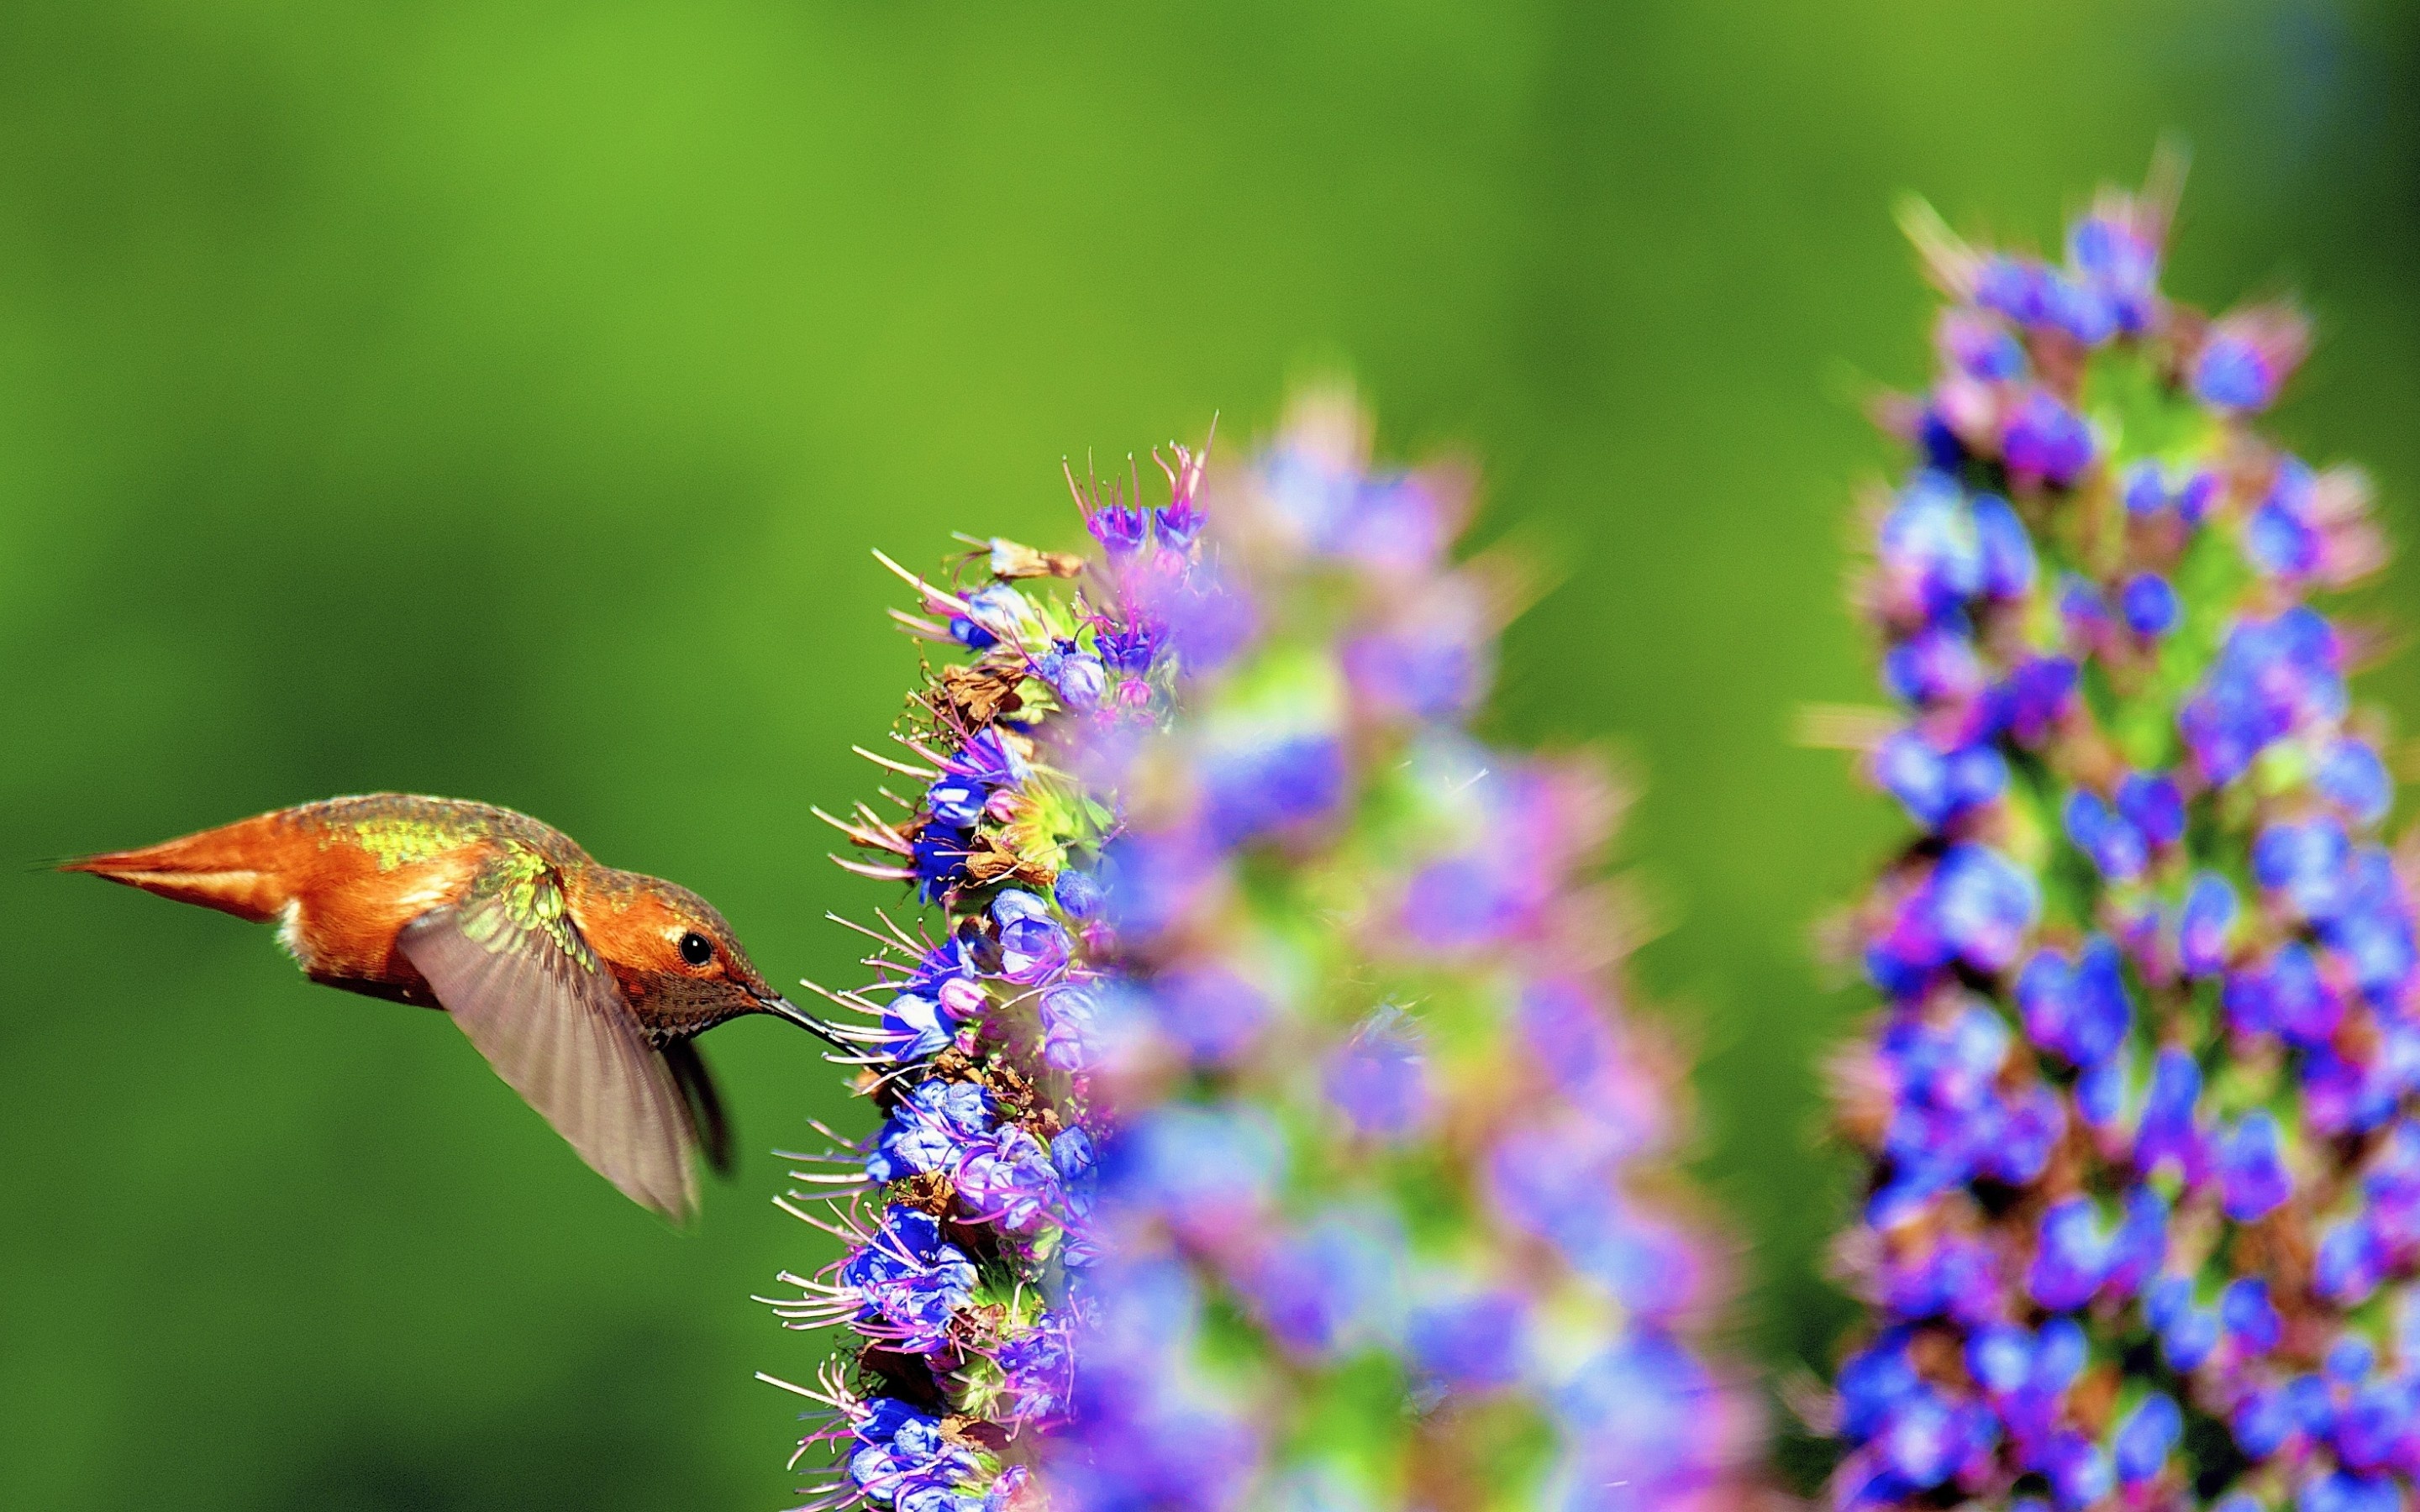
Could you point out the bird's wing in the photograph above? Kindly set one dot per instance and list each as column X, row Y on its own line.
column 512, row 971
column 705, row 1113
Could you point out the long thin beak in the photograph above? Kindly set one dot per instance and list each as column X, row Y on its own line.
column 784, row 1008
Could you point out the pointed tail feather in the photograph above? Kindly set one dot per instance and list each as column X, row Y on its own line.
column 233, row 868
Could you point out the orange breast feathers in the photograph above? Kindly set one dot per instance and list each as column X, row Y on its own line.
column 337, row 908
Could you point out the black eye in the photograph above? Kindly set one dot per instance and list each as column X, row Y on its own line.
column 696, row 949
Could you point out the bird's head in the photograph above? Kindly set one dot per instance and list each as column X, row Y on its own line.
column 677, row 960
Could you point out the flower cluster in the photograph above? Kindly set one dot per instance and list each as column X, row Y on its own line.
column 1259, row 1127
column 2145, row 1169
column 1380, row 1194
column 964, row 1215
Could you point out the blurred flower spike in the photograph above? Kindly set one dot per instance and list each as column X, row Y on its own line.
column 1259, row 1125
column 2145, row 1180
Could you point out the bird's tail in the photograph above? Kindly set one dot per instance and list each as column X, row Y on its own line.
column 232, row 869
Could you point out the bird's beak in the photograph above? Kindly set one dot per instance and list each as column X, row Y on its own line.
column 783, row 1008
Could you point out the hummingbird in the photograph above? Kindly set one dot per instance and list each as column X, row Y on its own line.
column 584, row 986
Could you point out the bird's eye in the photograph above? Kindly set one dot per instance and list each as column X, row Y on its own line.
column 696, row 949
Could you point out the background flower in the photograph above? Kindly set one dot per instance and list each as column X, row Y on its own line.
column 1258, row 1121
column 2136, row 1099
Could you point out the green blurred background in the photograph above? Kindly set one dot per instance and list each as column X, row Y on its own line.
column 499, row 399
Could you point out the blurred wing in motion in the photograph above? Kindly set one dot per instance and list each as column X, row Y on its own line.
column 705, row 1113
column 511, row 968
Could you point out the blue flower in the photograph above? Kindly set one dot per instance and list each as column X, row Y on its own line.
column 2205, row 924
column 2231, row 374
column 939, row 856
column 1257, row 788
column 2252, row 1169
column 957, row 801
column 2048, row 440
column 1033, row 946
column 1008, row 1179
column 2148, row 605
column 2306, row 862
column 2250, row 1318
column 2152, row 804
column 2079, row 1010
column 2112, row 842
column 910, row 1280
column 2168, row 1131
column 1118, row 528
column 1933, row 785
column 1320, row 1289
column 2146, row 1437
column 1472, row 1343
column 1378, row 1079
column 2353, row 778
column 2071, row 1257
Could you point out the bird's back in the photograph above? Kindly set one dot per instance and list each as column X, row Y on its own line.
column 342, row 876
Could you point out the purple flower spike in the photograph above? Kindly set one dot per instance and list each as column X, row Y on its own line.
column 2141, row 1099
column 1160, row 1177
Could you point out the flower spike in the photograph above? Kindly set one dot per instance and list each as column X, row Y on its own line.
column 1255, row 1125
column 2142, row 1202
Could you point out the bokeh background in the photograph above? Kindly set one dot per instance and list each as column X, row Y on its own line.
column 499, row 399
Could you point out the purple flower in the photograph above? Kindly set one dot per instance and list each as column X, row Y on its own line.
column 2079, row 1010
column 2036, row 695
column 1118, row 528
column 2111, row 840
column 2251, row 1167
column 1033, row 947
column 2168, row 1131
column 2353, row 778
column 1254, row 789
column 1379, row 1079
column 2148, row 605
column 1213, row 1014
column 2249, row 1316
column 1473, row 1343
column 1431, row 668
column 1932, row 668
column 2203, row 926
column 2070, row 1257
column 1008, row 1179
column 1037, row 1368
column 1933, row 785
column 2048, row 440
column 2122, row 264
column 909, row 1280
column 1318, row 1291
column 2146, row 1437
column 1071, row 1028
column 2233, row 374
column 1128, row 650
column 2152, row 803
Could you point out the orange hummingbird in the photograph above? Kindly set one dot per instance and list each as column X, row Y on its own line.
column 583, row 985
